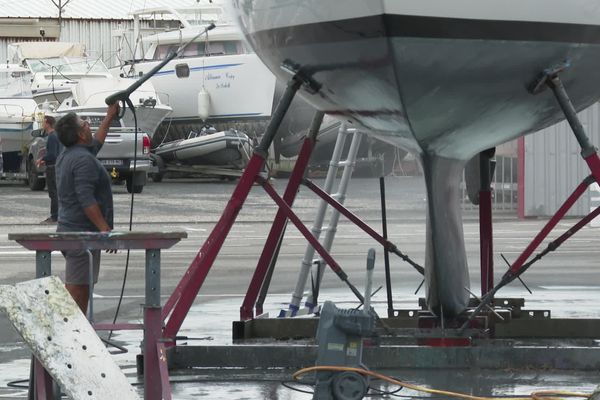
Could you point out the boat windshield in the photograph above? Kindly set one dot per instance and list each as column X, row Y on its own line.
column 203, row 49
column 15, row 84
column 67, row 65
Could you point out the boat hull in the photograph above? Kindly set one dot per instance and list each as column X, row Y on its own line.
column 16, row 124
column 444, row 80
column 239, row 87
column 148, row 118
column 228, row 148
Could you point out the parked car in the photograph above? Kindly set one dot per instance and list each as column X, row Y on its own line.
column 117, row 155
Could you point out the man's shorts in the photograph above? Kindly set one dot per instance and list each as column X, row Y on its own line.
column 78, row 266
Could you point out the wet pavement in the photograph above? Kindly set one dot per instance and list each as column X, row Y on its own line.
column 566, row 282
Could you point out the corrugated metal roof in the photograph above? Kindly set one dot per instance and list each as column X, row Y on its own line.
column 84, row 9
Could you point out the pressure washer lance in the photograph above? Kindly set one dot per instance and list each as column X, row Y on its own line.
column 340, row 337
column 369, row 282
column 123, row 95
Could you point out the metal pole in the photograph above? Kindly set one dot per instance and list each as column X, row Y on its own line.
column 90, row 315
column 588, row 151
column 386, row 253
column 40, row 382
column 152, row 327
column 369, row 281
column 485, row 223
column 571, row 114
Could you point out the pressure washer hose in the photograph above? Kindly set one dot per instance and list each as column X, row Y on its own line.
column 545, row 394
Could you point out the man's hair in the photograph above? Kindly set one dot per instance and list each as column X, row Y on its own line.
column 67, row 128
column 50, row 120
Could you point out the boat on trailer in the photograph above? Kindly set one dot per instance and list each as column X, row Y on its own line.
column 226, row 148
column 444, row 80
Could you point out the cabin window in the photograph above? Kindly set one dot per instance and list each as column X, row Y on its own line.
column 213, row 48
column 182, row 70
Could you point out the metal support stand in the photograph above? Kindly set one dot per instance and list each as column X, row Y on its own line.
column 156, row 382
column 183, row 297
column 550, row 78
column 266, row 263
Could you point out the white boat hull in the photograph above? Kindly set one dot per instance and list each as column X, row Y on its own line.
column 443, row 79
column 148, row 118
column 239, row 87
column 221, row 148
column 88, row 96
column 16, row 124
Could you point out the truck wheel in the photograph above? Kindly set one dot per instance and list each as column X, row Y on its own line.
column 35, row 182
column 131, row 188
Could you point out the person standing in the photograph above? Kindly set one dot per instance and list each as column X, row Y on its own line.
column 84, row 196
column 53, row 149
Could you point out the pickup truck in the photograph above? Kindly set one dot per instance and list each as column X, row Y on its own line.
column 117, row 156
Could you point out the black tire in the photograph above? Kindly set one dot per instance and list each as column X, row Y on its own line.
column 33, row 180
column 157, row 177
column 158, row 162
column 131, row 188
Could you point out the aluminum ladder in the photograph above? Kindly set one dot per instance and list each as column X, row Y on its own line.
column 307, row 262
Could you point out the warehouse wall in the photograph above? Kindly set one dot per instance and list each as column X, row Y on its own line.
column 97, row 35
column 554, row 167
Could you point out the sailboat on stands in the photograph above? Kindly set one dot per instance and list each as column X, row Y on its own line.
column 442, row 79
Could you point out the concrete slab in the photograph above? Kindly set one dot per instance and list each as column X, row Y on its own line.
column 62, row 339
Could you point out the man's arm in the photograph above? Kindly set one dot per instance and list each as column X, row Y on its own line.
column 95, row 215
column 111, row 113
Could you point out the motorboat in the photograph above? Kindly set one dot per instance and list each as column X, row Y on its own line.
column 216, row 78
column 17, row 116
column 442, row 79
column 64, row 78
column 208, row 147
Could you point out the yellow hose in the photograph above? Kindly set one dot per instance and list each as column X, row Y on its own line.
column 546, row 394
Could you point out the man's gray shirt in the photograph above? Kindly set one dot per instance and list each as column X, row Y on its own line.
column 81, row 182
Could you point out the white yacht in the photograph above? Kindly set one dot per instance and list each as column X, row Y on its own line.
column 17, row 115
column 64, row 78
column 216, row 78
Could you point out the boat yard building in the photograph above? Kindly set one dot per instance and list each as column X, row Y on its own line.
column 92, row 23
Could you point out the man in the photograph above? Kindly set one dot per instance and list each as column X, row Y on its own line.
column 84, row 196
column 53, row 149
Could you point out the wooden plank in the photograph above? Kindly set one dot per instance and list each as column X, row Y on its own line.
column 62, row 339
